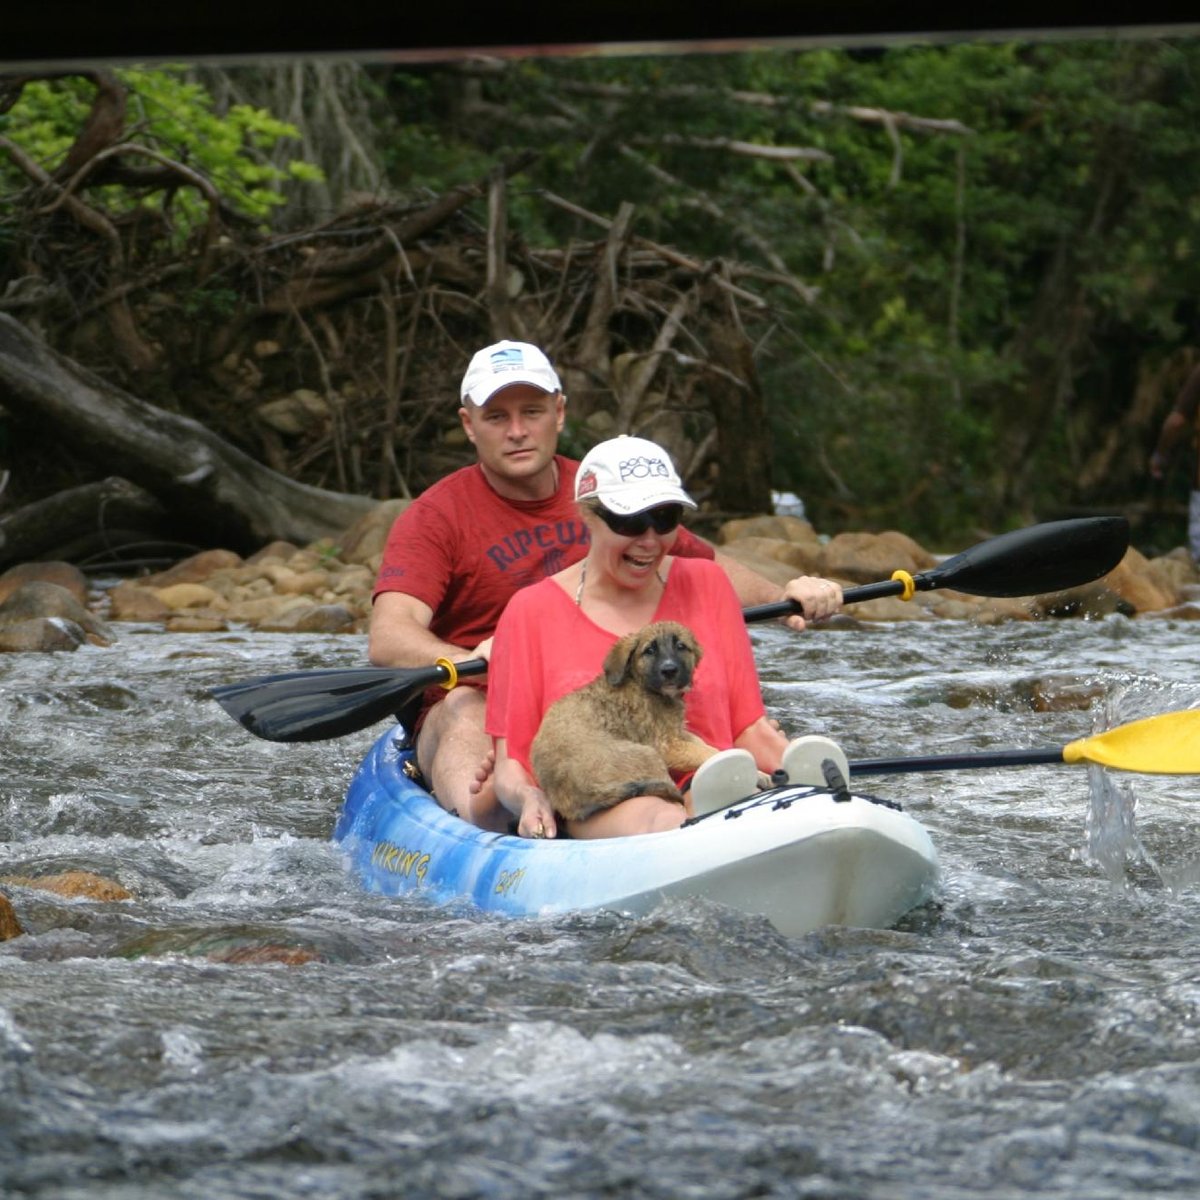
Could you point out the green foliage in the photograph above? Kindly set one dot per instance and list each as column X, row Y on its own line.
column 172, row 117
column 988, row 294
column 208, row 303
column 974, row 286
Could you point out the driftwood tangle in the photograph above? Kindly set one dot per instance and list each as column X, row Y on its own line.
column 319, row 369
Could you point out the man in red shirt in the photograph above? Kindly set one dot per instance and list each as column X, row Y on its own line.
column 463, row 547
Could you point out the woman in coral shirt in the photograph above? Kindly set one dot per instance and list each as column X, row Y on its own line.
column 554, row 635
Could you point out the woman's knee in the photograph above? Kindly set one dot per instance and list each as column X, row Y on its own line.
column 464, row 701
column 639, row 814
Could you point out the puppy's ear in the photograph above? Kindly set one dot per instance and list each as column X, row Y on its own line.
column 619, row 659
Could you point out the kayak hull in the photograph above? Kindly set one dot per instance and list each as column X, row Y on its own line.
column 797, row 856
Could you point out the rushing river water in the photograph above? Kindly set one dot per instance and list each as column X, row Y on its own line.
column 1036, row 1030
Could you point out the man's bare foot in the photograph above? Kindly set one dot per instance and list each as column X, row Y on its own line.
column 486, row 811
column 483, row 775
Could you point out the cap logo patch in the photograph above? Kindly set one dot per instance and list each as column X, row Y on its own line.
column 642, row 467
column 510, row 358
column 586, row 484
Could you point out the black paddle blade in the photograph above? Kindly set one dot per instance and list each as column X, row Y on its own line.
column 305, row 706
column 1028, row 562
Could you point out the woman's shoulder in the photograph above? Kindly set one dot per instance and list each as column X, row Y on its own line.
column 700, row 585
column 699, row 572
column 536, row 597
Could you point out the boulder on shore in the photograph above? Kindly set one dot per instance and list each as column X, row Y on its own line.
column 326, row 587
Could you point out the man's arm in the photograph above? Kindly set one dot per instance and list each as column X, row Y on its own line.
column 818, row 597
column 751, row 587
column 400, row 636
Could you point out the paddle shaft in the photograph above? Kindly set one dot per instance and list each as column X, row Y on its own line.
column 1165, row 744
column 1025, row 562
column 957, row 762
column 309, row 706
column 854, row 595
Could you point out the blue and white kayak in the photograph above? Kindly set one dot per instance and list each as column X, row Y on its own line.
column 797, row 855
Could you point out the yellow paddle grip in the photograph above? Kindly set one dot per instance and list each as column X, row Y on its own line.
column 452, row 682
column 909, row 587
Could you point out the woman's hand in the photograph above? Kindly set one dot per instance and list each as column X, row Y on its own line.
column 537, row 817
column 767, row 742
column 820, row 598
column 522, row 797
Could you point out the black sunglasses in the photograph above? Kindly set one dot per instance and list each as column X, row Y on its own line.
column 662, row 519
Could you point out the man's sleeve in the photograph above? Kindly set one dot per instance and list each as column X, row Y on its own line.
column 417, row 555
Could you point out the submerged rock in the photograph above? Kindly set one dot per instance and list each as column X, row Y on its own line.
column 237, row 946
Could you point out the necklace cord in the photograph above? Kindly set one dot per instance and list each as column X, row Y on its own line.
column 583, row 580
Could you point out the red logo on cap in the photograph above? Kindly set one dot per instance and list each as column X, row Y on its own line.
column 586, row 485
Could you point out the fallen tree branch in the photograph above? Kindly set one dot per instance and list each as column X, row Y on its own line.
column 102, row 516
column 734, row 146
column 824, row 108
column 706, row 204
column 211, row 487
column 663, row 252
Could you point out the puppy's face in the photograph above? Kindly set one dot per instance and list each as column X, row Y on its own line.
column 661, row 658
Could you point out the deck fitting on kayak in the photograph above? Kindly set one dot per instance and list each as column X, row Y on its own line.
column 835, row 781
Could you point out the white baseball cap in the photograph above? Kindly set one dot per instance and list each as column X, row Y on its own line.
column 504, row 363
column 629, row 475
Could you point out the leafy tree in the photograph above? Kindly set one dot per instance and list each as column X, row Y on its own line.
column 169, row 117
column 977, row 256
column 975, row 252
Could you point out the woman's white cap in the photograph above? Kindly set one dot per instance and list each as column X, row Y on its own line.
column 629, row 475
column 505, row 363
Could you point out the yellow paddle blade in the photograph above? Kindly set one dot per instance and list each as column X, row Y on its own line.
column 1168, row 744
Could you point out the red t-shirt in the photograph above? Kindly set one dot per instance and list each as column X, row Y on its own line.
column 546, row 646
column 465, row 550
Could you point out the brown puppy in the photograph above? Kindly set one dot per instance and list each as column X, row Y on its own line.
column 622, row 734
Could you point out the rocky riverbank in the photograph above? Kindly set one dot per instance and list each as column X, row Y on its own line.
column 326, row 586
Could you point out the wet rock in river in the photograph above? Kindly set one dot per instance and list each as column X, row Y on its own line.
column 130, row 601
column 321, row 618
column 867, row 557
column 40, row 601
column 239, row 946
column 73, row 885
column 10, row 927
column 41, row 634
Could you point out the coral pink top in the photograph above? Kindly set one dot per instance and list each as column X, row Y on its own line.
column 546, row 646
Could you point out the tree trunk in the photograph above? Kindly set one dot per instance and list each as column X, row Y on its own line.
column 744, row 479
column 217, row 495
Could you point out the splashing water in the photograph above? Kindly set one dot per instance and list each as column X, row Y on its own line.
column 1111, row 828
